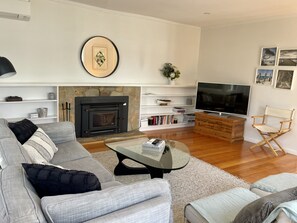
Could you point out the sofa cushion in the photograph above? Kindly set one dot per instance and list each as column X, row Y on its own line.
column 59, row 132
column 5, row 131
column 49, row 180
column 12, row 153
column 91, row 165
column 93, row 204
column 213, row 208
column 23, row 129
column 40, row 147
column 69, row 151
column 258, row 210
column 19, row 201
column 274, row 183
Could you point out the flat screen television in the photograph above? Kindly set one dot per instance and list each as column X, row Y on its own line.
column 223, row 98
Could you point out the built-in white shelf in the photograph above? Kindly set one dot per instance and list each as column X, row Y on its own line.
column 28, row 101
column 163, row 116
column 168, row 95
column 33, row 97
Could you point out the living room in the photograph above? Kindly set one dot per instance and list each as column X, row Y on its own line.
column 214, row 54
column 46, row 51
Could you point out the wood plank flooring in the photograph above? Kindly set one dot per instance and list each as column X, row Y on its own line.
column 235, row 158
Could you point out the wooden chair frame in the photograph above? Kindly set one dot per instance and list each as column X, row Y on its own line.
column 269, row 133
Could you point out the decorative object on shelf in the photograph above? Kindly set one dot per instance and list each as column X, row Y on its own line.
column 171, row 72
column 189, row 101
column 144, row 122
column 284, row 79
column 268, row 56
column 51, row 96
column 163, row 102
column 287, row 57
column 13, row 98
column 6, row 68
column 179, row 109
column 99, row 56
column 171, row 82
column 33, row 115
column 42, row 112
column 189, row 118
column 264, row 76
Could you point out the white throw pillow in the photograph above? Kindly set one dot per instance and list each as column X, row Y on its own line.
column 40, row 147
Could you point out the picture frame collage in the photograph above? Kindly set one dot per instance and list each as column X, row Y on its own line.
column 277, row 67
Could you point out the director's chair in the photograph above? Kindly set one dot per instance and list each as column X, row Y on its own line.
column 274, row 123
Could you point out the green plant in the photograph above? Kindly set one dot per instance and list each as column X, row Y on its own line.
column 170, row 71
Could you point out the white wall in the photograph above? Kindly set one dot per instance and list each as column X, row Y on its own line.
column 232, row 54
column 47, row 48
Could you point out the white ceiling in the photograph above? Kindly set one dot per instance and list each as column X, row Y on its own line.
column 203, row 12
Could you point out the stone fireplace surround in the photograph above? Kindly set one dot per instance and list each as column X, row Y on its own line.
column 68, row 94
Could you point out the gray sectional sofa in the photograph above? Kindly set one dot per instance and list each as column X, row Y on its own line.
column 147, row 201
column 271, row 199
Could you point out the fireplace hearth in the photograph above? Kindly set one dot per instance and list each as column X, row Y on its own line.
column 101, row 115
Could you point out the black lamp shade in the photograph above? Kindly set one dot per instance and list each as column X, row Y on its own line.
column 6, row 68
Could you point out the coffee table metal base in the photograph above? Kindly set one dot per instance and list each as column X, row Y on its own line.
column 123, row 169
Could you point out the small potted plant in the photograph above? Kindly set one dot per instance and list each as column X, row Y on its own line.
column 170, row 71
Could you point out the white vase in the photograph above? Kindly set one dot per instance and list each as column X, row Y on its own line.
column 171, row 82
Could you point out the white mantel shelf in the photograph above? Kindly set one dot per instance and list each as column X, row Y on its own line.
column 94, row 84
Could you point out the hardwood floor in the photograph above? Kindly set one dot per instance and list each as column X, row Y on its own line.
column 235, row 158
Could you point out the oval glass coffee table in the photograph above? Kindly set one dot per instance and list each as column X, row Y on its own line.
column 175, row 156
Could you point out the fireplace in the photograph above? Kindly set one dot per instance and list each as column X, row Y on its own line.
column 101, row 115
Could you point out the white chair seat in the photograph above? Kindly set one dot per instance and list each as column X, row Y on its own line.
column 266, row 128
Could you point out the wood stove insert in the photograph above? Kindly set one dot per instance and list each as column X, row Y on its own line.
column 101, row 115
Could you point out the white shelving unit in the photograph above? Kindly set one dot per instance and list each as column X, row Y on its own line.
column 154, row 116
column 33, row 97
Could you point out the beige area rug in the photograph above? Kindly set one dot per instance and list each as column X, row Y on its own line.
column 197, row 179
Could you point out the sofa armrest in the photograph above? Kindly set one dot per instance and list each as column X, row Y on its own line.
column 59, row 132
column 87, row 206
column 153, row 210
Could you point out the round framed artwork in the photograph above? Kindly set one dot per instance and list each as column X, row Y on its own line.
column 99, row 56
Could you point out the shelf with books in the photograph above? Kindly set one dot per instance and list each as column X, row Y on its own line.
column 166, row 107
column 157, row 127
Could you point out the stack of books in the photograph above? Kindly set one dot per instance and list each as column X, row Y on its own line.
column 179, row 109
column 161, row 120
column 156, row 145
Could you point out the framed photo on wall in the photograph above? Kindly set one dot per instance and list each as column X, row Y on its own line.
column 268, row 56
column 287, row 57
column 284, row 79
column 264, row 76
column 99, row 56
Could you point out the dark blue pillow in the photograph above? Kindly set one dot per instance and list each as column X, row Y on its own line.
column 50, row 180
column 23, row 130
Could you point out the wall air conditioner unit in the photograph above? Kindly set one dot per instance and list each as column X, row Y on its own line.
column 15, row 9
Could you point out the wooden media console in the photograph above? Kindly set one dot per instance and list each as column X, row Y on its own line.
column 230, row 128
